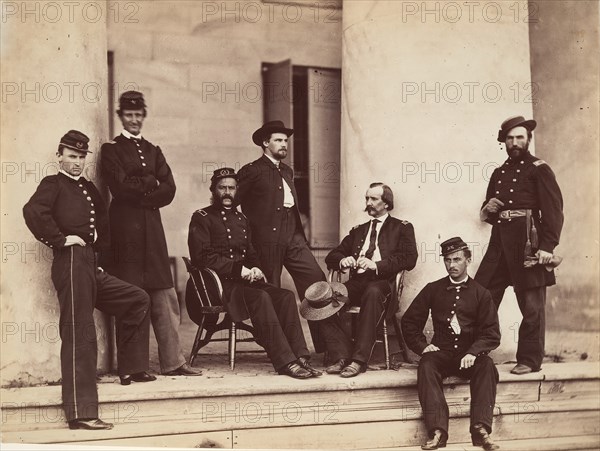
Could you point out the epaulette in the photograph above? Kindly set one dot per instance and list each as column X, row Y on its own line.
column 202, row 212
column 539, row 162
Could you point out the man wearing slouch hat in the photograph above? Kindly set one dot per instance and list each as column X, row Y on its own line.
column 524, row 205
column 267, row 195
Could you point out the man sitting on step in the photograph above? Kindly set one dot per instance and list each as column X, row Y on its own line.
column 465, row 325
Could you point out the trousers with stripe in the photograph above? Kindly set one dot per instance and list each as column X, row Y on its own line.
column 80, row 288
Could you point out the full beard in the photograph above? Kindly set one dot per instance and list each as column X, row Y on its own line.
column 517, row 152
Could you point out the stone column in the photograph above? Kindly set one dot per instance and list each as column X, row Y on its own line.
column 565, row 67
column 54, row 78
column 426, row 86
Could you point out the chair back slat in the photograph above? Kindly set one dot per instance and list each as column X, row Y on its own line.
column 204, row 293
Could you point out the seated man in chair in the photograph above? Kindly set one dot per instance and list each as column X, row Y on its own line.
column 219, row 239
column 373, row 252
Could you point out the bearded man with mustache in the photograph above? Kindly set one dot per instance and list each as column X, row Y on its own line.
column 220, row 239
column 525, row 207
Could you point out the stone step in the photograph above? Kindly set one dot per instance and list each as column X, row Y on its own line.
column 369, row 431
column 377, row 409
column 579, row 443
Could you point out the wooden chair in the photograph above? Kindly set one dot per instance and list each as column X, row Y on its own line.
column 382, row 326
column 204, row 302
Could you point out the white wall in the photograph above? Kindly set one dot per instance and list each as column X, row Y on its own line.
column 199, row 66
column 53, row 80
column 425, row 88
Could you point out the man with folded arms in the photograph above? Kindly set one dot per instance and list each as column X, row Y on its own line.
column 67, row 214
column 141, row 183
column 524, row 205
column 220, row 239
column 465, row 325
column 373, row 252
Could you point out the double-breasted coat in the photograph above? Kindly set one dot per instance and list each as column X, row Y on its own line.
column 219, row 239
column 141, row 182
column 525, row 183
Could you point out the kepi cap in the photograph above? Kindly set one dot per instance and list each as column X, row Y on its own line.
column 132, row 100
column 452, row 245
column 75, row 140
column 222, row 173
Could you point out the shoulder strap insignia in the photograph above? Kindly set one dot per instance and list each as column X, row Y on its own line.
column 355, row 227
column 404, row 222
column 539, row 162
column 202, row 212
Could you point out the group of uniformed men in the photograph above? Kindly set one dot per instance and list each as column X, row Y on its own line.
column 248, row 250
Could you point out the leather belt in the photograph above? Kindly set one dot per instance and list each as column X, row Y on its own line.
column 507, row 214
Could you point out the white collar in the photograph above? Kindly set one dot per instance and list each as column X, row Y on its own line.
column 275, row 162
column 128, row 135
column 460, row 281
column 62, row 171
column 382, row 218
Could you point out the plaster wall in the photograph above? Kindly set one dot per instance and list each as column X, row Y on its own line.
column 199, row 67
column 425, row 89
column 59, row 85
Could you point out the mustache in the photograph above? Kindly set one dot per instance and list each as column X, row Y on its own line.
column 368, row 209
column 217, row 200
column 220, row 199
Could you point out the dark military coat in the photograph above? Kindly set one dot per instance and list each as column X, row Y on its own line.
column 260, row 191
column 63, row 206
column 132, row 168
column 526, row 183
column 475, row 312
column 396, row 243
column 220, row 239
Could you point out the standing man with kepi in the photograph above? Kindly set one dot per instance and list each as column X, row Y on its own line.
column 141, row 183
column 465, row 325
column 67, row 214
column 373, row 252
column 268, row 198
column 524, row 205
